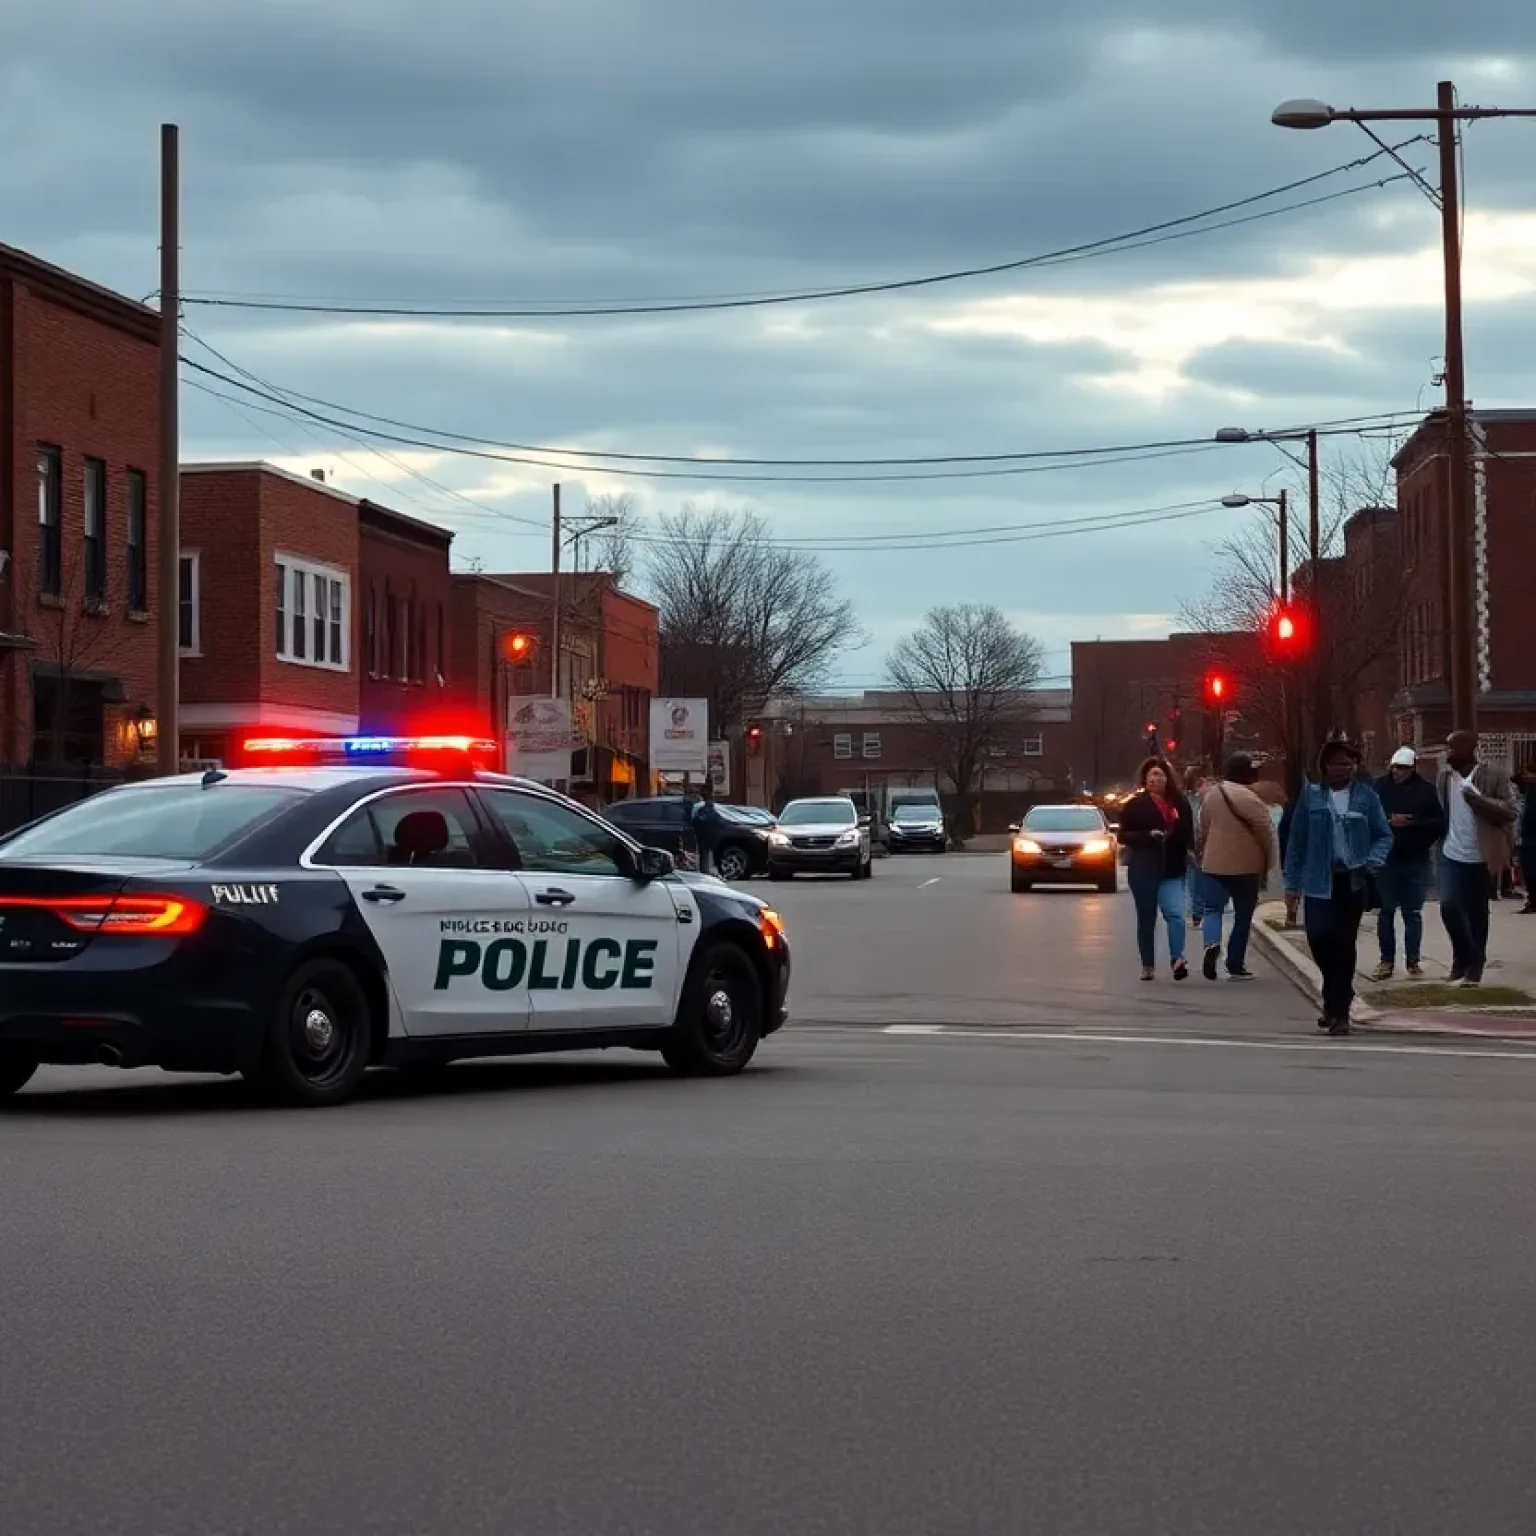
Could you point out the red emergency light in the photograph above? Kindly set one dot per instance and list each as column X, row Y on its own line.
column 271, row 751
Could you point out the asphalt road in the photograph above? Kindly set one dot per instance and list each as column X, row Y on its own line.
column 897, row 1284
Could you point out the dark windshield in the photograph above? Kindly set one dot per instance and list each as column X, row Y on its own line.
column 916, row 812
column 800, row 813
column 1063, row 818
column 172, row 821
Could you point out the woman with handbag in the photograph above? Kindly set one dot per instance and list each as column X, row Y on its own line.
column 1156, row 828
column 1235, row 846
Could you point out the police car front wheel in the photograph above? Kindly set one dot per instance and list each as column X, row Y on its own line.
column 319, row 1040
column 721, row 1018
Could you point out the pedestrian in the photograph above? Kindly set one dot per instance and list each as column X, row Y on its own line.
column 1235, row 846
column 1526, row 835
column 1339, row 837
column 1480, row 815
column 1195, row 784
column 1402, row 883
column 1157, row 829
column 707, row 824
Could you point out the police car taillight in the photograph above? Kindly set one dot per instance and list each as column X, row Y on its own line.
column 161, row 916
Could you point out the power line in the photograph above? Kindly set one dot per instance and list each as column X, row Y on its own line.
column 1102, row 246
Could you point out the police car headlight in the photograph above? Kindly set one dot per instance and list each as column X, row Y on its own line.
column 778, row 839
column 848, row 839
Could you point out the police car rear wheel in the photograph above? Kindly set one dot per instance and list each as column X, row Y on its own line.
column 720, row 1021
column 16, row 1069
column 319, row 1041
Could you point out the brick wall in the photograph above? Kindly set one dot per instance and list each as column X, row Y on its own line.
column 78, row 371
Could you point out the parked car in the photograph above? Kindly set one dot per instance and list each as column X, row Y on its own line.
column 917, row 825
column 666, row 821
column 1063, row 845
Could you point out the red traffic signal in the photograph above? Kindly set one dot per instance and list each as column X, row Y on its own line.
column 1287, row 632
column 519, row 646
column 754, row 737
column 1218, row 689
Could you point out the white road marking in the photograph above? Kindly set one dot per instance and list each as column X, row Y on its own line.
column 927, row 883
column 1082, row 1038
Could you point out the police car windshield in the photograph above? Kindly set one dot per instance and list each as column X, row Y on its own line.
column 180, row 821
column 1063, row 818
column 799, row 813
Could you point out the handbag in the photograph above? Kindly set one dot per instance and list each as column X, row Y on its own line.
column 1247, row 826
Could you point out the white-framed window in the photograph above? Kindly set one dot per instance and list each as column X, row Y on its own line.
column 189, row 595
column 1032, row 746
column 313, row 614
column 871, row 744
column 842, row 744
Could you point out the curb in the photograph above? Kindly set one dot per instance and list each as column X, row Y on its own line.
column 1299, row 970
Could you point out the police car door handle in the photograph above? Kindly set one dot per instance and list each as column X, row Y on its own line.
column 384, row 893
column 554, row 897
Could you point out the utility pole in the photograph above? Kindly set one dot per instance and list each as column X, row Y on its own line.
column 1462, row 608
column 168, row 722
column 1321, row 638
column 554, row 600
column 1285, row 546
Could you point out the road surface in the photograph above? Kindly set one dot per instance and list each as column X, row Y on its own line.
column 1209, row 1275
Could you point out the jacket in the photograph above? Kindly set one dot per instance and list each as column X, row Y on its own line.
column 1236, row 835
column 1309, row 853
column 1169, row 856
column 1415, row 797
column 1495, row 826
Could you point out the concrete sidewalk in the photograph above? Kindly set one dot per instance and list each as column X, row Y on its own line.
column 1503, row 1008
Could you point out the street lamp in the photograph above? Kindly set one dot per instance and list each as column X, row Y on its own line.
column 1283, row 504
column 1309, row 437
column 1304, row 113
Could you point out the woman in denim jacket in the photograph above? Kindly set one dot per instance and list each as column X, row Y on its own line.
column 1339, row 833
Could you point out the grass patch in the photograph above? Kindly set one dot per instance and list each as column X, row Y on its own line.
column 1442, row 995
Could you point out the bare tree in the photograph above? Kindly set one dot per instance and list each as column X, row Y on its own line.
column 742, row 618
column 612, row 549
column 963, row 675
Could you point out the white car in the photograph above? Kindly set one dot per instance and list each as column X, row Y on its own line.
column 824, row 835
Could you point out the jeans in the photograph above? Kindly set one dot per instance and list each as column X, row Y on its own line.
column 1465, row 891
column 1402, row 888
column 1243, row 892
column 1152, row 894
column 1333, row 930
column 1195, row 894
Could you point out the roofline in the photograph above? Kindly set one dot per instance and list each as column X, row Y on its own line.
column 413, row 527
column 262, row 467
column 63, row 286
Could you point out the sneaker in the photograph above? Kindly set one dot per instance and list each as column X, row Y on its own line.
column 1471, row 979
column 1239, row 973
column 1208, row 965
column 1180, row 969
column 1383, row 972
column 1416, row 970
column 1324, row 1022
column 1457, row 974
column 1147, row 973
column 1339, row 1027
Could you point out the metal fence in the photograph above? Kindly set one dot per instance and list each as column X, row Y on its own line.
column 30, row 790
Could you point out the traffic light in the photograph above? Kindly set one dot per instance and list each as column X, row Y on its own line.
column 1150, row 738
column 1218, row 690
column 754, row 738
column 1286, row 633
column 519, row 647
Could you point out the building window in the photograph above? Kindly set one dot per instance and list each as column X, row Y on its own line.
column 95, row 487
column 50, row 521
column 189, row 592
column 404, row 625
column 1032, row 746
column 871, row 744
column 842, row 744
column 313, row 608
column 138, row 546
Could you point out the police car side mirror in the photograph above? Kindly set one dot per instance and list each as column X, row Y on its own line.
column 653, row 864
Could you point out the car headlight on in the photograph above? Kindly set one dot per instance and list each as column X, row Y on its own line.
column 778, row 840
column 1096, row 848
column 1025, row 845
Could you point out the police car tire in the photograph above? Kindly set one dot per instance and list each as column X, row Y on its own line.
column 15, row 1073
column 282, row 1070
column 693, row 1047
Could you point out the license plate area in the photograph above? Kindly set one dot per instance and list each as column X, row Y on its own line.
column 1065, row 863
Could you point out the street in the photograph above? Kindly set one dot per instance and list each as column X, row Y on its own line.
column 1195, row 1270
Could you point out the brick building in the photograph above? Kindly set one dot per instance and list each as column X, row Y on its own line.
column 79, row 587
column 609, row 666
column 1121, row 687
column 405, row 593
column 870, row 744
column 269, row 573
column 1504, row 495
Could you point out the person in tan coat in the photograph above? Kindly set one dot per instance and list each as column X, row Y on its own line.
column 1235, row 848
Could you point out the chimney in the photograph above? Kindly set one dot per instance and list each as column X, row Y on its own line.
column 317, row 474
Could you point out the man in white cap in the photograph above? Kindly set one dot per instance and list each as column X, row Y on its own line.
column 1418, row 823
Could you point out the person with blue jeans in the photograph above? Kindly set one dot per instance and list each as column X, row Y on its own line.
column 1158, row 833
column 1194, row 786
column 1235, row 844
column 1418, row 823
column 1339, row 834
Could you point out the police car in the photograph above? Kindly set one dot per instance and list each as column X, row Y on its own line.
column 369, row 901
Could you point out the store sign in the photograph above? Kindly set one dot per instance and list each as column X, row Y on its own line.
column 540, row 738
column 680, row 735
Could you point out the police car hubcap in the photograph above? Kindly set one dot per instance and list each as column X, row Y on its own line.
column 719, row 1012
column 319, row 1031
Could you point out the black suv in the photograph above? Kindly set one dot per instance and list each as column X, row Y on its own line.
column 666, row 821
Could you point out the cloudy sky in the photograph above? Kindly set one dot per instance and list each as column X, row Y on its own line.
column 549, row 154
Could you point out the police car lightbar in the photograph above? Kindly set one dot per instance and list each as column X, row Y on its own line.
column 363, row 748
